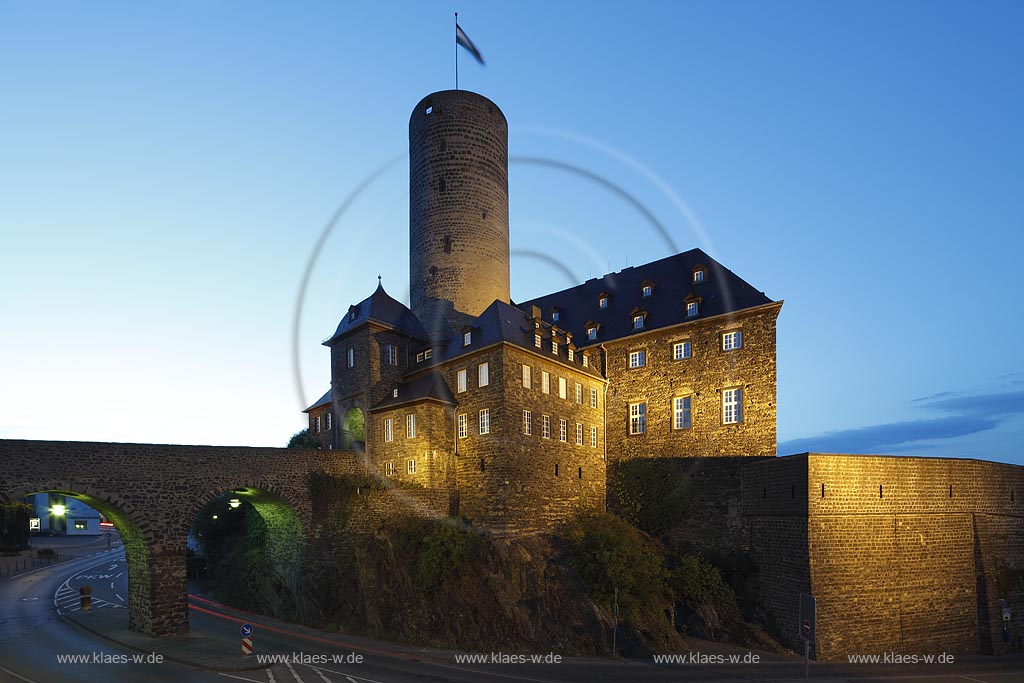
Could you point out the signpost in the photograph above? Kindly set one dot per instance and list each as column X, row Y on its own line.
column 808, row 627
column 35, row 523
column 246, row 632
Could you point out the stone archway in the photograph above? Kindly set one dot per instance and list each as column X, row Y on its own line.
column 354, row 429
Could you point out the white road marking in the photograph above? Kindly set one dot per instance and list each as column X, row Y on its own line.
column 321, row 675
column 240, row 678
column 298, row 679
column 270, row 677
column 118, row 596
column 353, row 679
column 18, row 676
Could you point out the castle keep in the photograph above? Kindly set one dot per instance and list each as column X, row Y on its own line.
column 517, row 408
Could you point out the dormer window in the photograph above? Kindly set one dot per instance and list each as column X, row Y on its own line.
column 467, row 338
column 586, row 361
column 591, row 333
column 555, row 315
column 646, row 291
column 602, row 302
column 698, row 274
column 536, row 340
column 692, row 308
column 638, row 322
column 554, row 347
column 394, row 394
column 570, row 354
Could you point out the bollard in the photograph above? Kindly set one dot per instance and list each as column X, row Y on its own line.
column 86, row 599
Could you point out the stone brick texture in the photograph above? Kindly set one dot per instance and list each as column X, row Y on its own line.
column 703, row 376
column 458, row 206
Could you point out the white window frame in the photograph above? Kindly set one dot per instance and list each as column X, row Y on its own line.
column 537, row 341
column 467, row 338
column 579, row 433
column 682, row 413
column 698, row 275
column 554, row 347
column 692, row 308
column 682, row 350
column 579, row 393
column 563, row 387
column 420, row 356
column 428, row 354
column 637, row 359
column 638, row 322
column 602, row 302
column 591, row 333
column 646, row 290
column 586, row 361
column 571, row 354
column 593, row 397
column 350, row 357
column 563, row 431
column 391, row 354
column 461, row 381
column 463, row 425
column 545, row 426
column 484, row 421
column 593, row 437
column 527, row 423
column 732, row 340
column 527, row 376
column 637, row 418
column 732, row 406
column 327, row 421
column 389, row 469
column 483, row 374
column 410, row 466
column 554, row 316
column 389, row 429
column 545, row 381
column 410, row 426
column 316, row 424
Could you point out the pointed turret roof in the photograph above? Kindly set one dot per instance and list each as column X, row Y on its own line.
column 383, row 310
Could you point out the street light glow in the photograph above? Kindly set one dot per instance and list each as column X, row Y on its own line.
column 59, row 510
column 234, row 503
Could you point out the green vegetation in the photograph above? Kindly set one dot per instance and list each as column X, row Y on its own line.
column 14, row 532
column 438, row 549
column 652, row 495
column 304, row 440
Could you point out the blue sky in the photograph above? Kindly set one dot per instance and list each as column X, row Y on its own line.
column 166, row 169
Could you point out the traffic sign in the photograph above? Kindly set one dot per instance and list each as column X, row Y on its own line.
column 246, row 646
column 808, row 617
column 246, row 630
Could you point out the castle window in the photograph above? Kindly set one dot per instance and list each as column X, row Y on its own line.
column 602, row 302
column 593, row 397
column 732, row 340
column 419, row 357
column 591, row 333
column 555, row 315
column 593, row 437
column 485, row 421
column 389, row 469
column 316, row 422
column 571, row 354
column 732, row 406
column 351, row 356
column 447, row 243
column 646, row 291
column 579, row 434
column 536, row 340
column 562, row 388
column 637, row 359
column 681, row 350
column 410, row 425
column 410, row 466
column 527, row 377
column 681, row 412
column 327, row 416
column 463, row 425
column 429, row 110
column 442, row 187
column 692, row 308
column 428, row 354
column 579, row 393
column 545, row 381
column 389, row 430
column 330, row 446
column 391, row 354
column 586, row 361
column 554, row 347
column 637, row 418
column 460, row 381
column 545, row 426
column 483, row 377
column 638, row 322
column 698, row 275
column 527, row 422
column 467, row 338
column 394, row 393
column 579, row 472
column 562, row 430
column 556, row 469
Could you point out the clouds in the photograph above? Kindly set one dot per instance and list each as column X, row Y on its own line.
column 964, row 415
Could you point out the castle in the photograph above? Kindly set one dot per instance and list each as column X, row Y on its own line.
column 518, row 408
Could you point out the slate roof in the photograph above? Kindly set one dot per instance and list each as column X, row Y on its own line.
column 722, row 291
column 380, row 308
column 324, row 400
column 502, row 322
column 429, row 386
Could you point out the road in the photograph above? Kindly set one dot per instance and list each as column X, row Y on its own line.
column 35, row 632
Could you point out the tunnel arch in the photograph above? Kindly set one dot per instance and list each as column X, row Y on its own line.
column 138, row 542
column 354, row 429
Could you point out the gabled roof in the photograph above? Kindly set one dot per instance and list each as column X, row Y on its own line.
column 324, row 400
column 426, row 387
column 722, row 291
column 502, row 322
column 381, row 309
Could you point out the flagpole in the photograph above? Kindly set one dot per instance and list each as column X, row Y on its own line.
column 456, row 50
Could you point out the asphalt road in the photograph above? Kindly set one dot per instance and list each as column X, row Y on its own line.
column 34, row 634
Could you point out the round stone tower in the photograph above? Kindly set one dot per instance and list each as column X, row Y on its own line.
column 458, row 209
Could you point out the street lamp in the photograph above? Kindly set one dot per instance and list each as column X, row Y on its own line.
column 59, row 510
column 234, row 503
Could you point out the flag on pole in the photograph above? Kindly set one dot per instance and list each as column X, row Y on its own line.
column 462, row 39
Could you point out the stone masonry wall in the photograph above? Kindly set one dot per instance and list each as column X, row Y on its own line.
column 703, row 376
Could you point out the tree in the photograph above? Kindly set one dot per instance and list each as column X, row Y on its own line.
column 304, row 440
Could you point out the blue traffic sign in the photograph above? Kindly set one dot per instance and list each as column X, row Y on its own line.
column 246, row 630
